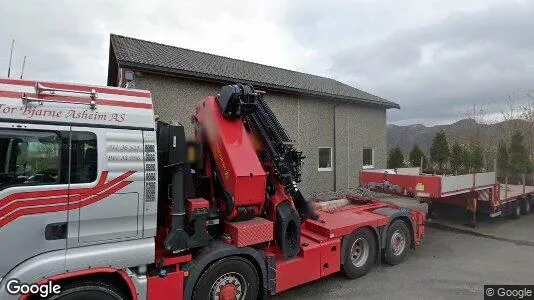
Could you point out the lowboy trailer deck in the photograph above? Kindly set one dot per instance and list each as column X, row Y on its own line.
column 478, row 191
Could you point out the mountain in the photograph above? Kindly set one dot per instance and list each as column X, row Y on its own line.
column 463, row 131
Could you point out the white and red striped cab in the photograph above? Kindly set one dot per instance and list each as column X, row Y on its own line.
column 77, row 179
column 66, row 103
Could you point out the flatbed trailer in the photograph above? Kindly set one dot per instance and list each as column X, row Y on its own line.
column 478, row 192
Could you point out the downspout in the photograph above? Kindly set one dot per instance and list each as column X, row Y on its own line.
column 335, row 149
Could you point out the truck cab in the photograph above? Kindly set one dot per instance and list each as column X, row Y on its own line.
column 77, row 178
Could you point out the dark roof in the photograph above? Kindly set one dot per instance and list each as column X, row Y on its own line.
column 135, row 53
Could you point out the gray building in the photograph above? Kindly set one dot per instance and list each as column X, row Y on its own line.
column 339, row 128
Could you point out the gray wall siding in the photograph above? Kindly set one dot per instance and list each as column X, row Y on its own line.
column 316, row 130
column 175, row 98
column 309, row 121
column 367, row 128
column 342, row 144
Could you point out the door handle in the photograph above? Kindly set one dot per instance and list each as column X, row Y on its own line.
column 56, row 231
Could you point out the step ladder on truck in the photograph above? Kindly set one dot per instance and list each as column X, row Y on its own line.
column 98, row 198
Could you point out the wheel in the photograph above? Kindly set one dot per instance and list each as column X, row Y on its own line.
column 89, row 291
column 433, row 211
column 228, row 278
column 398, row 240
column 360, row 253
column 525, row 206
column 516, row 210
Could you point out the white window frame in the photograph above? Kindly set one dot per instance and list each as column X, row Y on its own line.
column 372, row 165
column 329, row 169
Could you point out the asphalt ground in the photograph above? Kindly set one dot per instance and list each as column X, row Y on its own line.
column 454, row 262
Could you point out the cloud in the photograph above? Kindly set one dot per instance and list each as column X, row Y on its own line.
column 435, row 67
column 69, row 40
column 434, row 57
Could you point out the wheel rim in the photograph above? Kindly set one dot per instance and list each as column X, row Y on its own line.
column 359, row 252
column 229, row 286
column 74, row 293
column 398, row 242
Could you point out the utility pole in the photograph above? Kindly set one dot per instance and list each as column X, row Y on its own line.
column 421, row 166
column 10, row 57
column 23, row 65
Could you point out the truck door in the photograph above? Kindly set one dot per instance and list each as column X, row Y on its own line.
column 34, row 163
column 106, row 184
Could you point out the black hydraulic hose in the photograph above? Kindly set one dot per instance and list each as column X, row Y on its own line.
column 261, row 132
column 278, row 132
column 274, row 126
column 285, row 159
column 268, row 125
column 271, row 116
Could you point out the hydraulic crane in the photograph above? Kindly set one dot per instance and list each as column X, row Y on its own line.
column 266, row 156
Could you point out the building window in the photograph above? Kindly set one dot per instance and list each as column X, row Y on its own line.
column 368, row 158
column 325, row 159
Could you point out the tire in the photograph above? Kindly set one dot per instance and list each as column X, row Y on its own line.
column 229, row 275
column 516, row 210
column 398, row 242
column 359, row 253
column 89, row 290
column 525, row 206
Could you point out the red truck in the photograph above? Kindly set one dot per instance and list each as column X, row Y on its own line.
column 99, row 201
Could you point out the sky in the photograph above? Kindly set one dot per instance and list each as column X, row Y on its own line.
column 436, row 58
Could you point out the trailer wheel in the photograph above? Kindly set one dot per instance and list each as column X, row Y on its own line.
column 93, row 290
column 398, row 241
column 360, row 253
column 229, row 278
column 525, row 206
column 516, row 210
